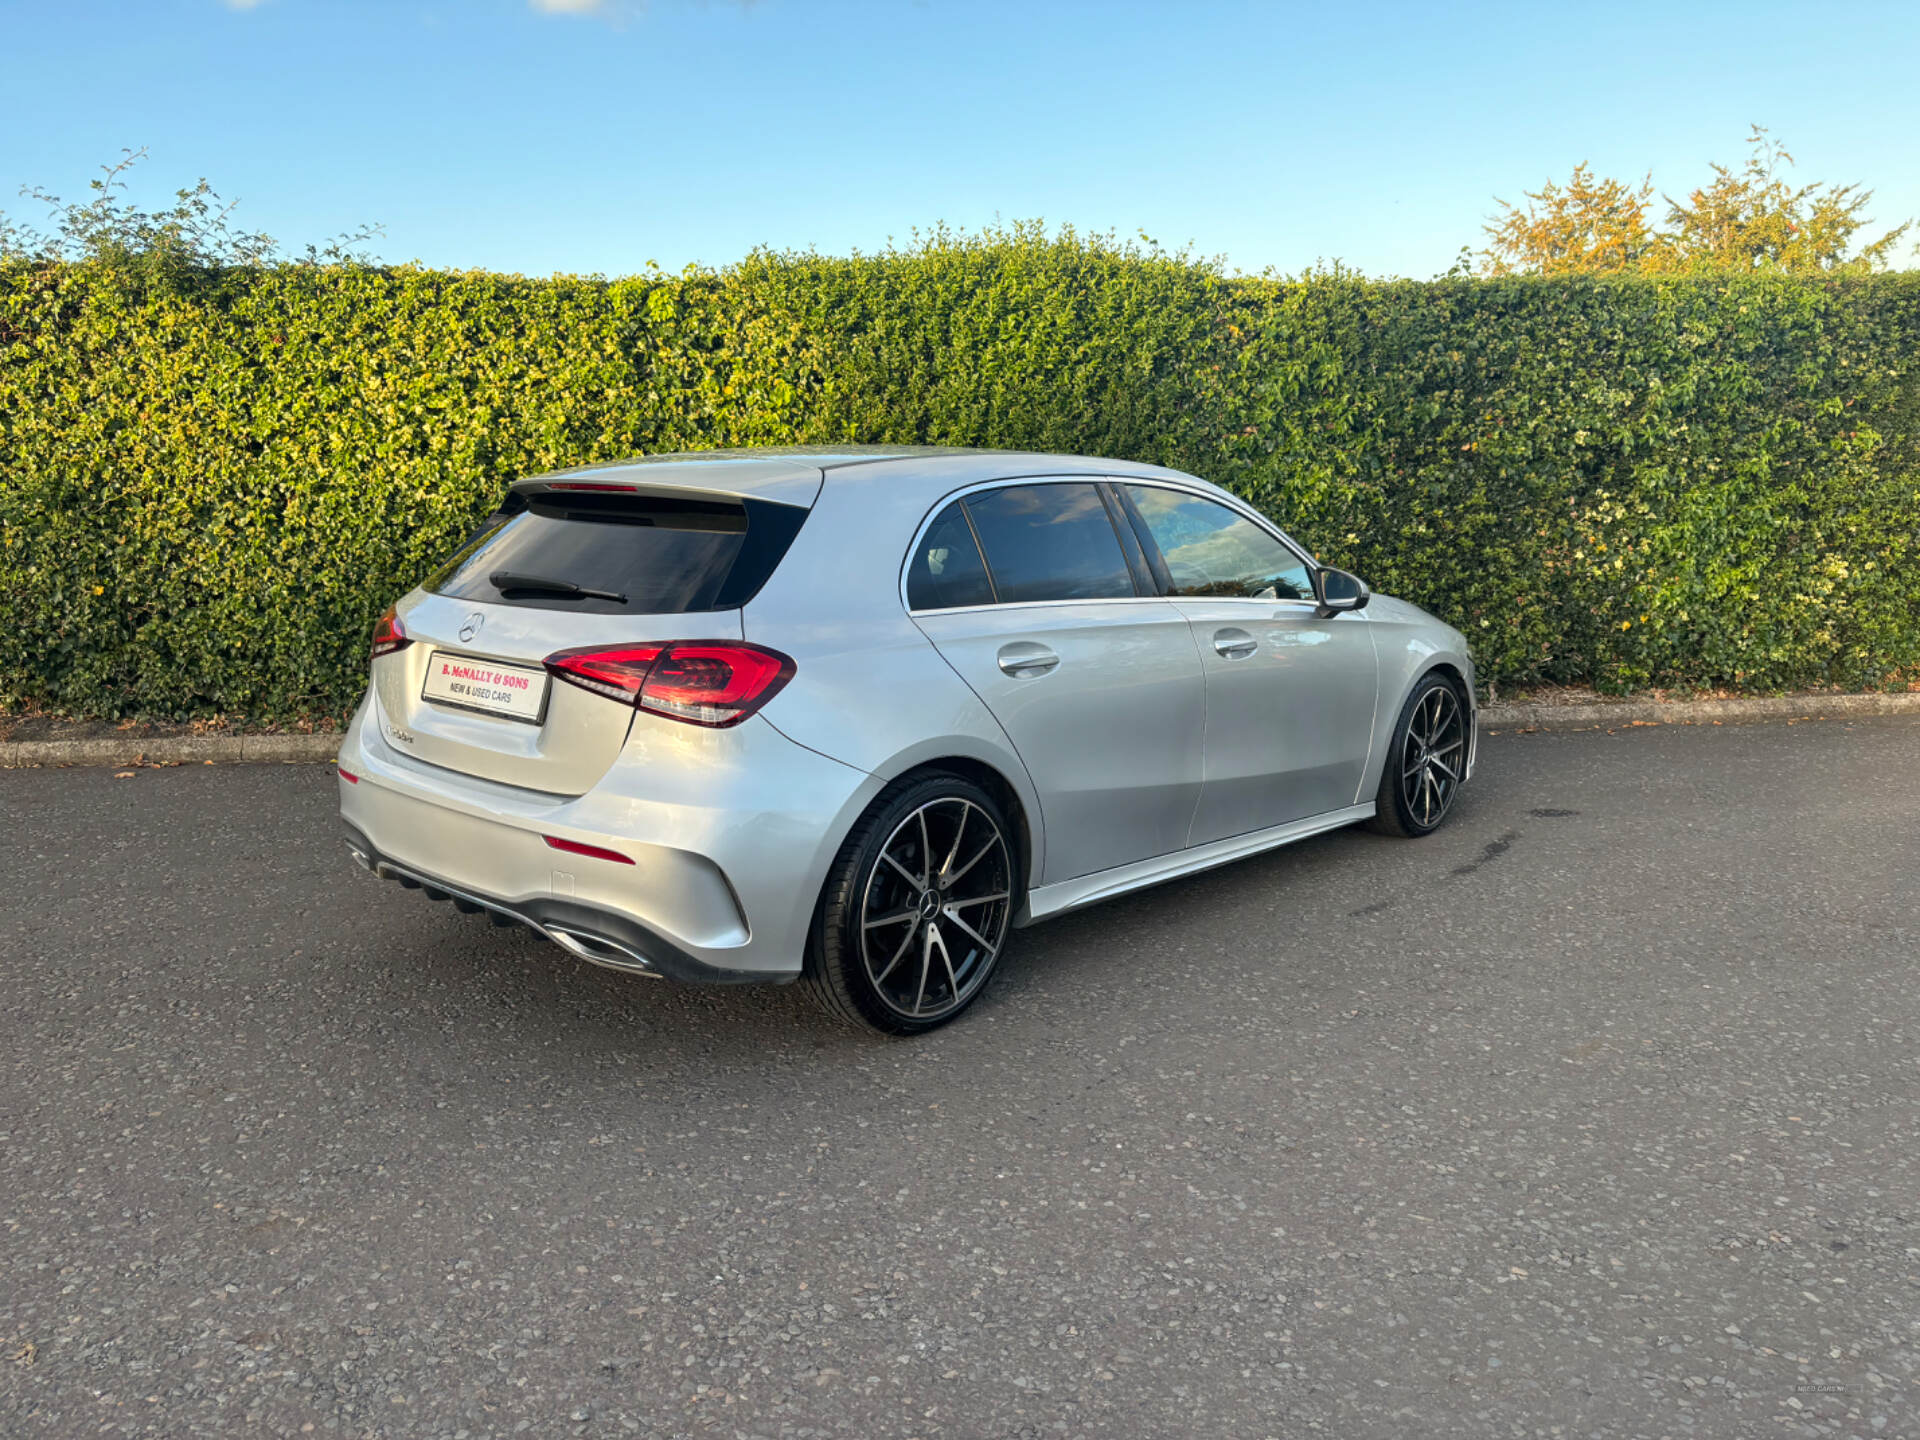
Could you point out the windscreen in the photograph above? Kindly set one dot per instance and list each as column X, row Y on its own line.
column 622, row 554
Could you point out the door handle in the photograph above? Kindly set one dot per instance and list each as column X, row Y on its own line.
column 1024, row 660
column 1234, row 644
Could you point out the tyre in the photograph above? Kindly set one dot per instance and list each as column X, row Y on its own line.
column 1426, row 761
column 916, row 909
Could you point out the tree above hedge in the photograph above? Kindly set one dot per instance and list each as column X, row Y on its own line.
column 177, row 246
column 1742, row 220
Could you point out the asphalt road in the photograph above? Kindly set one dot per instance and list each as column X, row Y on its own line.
column 1593, row 1115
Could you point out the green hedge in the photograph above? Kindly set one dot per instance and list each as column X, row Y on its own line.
column 208, row 492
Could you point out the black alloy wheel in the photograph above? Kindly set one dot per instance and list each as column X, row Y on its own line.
column 1426, row 761
column 917, row 908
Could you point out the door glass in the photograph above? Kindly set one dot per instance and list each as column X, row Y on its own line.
column 946, row 571
column 1050, row 542
column 1212, row 551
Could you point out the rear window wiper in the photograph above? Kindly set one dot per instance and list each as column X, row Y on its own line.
column 506, row 582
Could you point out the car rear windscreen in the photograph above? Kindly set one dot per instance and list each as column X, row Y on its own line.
column 596, row 554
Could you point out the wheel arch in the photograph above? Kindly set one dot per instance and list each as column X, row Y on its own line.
column 1453, row 674
column 990, row 778
column 1405, row 660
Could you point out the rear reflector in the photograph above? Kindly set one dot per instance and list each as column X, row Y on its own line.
column 388, row 635
column 347, row 775
column 715, row 683
column 574, row 847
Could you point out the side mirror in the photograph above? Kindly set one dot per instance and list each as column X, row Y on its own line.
column 1336, row 590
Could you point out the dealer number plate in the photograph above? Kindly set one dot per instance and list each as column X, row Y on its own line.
column 518, row 692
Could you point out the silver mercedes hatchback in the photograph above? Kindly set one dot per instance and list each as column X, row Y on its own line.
column 853, row 716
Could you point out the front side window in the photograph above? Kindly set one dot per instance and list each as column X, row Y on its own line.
column 1050, row 542
column 1213, row 551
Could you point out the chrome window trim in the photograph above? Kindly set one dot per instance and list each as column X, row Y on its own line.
column 1230, row 502
column 1048, row 604
column 1309, row 606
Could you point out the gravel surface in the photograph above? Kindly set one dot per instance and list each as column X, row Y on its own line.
column 1593, row 1115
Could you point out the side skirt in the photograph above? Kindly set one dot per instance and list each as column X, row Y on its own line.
column 1065, row 895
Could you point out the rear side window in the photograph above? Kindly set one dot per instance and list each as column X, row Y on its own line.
column 1049, row 542
column 623, row 554
column 947, row 571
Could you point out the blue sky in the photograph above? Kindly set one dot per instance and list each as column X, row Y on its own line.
column 563, row 135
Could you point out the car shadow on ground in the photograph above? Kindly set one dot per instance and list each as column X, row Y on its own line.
column 1088, row 972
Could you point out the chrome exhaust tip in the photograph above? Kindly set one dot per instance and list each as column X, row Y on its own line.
column 598, row 950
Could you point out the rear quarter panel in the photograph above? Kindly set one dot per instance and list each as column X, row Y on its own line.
column 869, row 689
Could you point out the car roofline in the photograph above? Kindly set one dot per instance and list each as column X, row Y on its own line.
column 794, row 474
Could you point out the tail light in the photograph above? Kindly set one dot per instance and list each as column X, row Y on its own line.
column 716, row 683
column 616, row 673
column 388, row 635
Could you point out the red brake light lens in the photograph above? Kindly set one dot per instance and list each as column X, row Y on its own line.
column 715, row 683
column 711, row 683
column 388, row 635
column 591, row 485
column 617, row 673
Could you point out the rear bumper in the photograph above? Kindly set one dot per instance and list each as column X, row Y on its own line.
column 603, row 937
column 729, row 850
